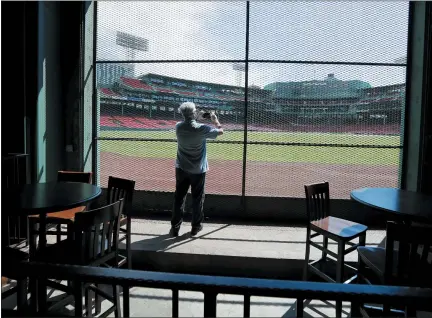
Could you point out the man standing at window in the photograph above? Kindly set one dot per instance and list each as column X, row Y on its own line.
column 191, row 165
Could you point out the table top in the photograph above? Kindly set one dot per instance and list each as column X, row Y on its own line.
column 400, row 203
column 40, row 198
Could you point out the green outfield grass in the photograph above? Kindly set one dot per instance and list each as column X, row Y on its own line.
column 292, row 154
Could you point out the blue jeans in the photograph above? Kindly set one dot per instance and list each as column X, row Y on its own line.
column 185, row 180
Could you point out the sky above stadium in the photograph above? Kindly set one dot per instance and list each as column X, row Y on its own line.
column 308, row 31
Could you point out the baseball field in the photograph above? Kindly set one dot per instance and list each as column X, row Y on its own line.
column 271, row 170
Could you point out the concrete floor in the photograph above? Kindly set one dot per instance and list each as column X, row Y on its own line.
column 284, row 242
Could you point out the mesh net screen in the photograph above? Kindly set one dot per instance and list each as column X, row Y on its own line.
column 306, row 122
column 166, row 30
column 351, row 31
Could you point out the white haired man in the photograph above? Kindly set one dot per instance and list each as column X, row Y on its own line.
column 192, row 165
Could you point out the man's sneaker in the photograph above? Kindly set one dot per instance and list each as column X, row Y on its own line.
column 196, row 230
column 174, row 232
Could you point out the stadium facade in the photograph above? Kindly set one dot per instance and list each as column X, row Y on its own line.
column 318, row 102
column 108, row 74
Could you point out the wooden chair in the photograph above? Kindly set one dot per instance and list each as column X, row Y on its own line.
column 14, row 173
column 329, row 227
column 63, row 217
column 95, row 243
column 408, row 265
column 119, row 188
column 123, row 189
column 12, row 256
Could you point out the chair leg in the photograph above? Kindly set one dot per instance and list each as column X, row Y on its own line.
column 58, row 235
column 306, row 265
column 78, row 291
column 362, row 240
column 98, row 302
column 28, row 233
column 32, row 238
column 126, row 301
column 340, row 274
column 355, row 310
column 355, row 306
column 116, row 294
column 42, row 295
column 360, row 274
column 88, row 295
column 22, row 294
column 325, row 246
column 410, row 312
column 18, row 229
column 33, row 294
column 128, row 243
column 70, row 237
column 386, row 311
column 340, row 262
column 360, row 266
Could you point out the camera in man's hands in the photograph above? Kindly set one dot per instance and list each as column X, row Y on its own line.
column 204, row 114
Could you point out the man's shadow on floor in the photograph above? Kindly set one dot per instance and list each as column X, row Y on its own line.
column 159, row 243
column 164, row 242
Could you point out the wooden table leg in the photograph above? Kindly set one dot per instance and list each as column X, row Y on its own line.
column 41, row 287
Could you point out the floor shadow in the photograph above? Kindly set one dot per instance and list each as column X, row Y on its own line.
column 159, row 243
column 200, row 236
column 321, row 309
column 165, row 242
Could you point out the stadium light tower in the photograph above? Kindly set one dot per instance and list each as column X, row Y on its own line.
column 131, row 44
column 240, row 69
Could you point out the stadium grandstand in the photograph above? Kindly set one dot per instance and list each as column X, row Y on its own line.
column 384, row 102
column 311, row 101
column 151, row 101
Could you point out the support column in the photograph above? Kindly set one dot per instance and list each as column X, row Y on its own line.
column 415, row 102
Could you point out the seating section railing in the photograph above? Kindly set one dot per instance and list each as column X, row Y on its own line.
column 211, row 286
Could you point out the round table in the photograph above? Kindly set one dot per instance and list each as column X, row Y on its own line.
column 401, row 205
column 43, row 198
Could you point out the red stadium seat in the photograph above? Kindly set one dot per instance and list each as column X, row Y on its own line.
column 136, row 122
column 108, row 92
column 136, row 83
column 186, row 93
column 107, row 121
column 164, row 90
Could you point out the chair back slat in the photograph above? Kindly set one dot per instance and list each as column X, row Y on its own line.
column 119, row 188
column 74, row 176
column 83, row 237
column 425, row 252
column 414, row 256
column 110, row 237
column 317, row 201
column 97, row 232
column 94, row 242
column 105, row 231
column 411, row 263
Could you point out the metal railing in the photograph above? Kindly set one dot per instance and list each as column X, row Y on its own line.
column 211, row 286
